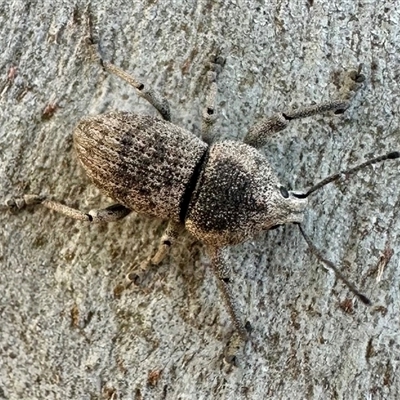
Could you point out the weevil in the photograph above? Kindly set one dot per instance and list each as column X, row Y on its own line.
column 222, row 192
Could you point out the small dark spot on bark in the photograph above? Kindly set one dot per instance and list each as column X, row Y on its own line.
column 347, row 306
column 138, row 394
column 370, row 351
column 118, row 290
column 153, row 377
column 74, row 313
column 49, row 111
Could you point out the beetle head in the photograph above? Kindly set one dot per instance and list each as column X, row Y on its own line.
column 239, row 195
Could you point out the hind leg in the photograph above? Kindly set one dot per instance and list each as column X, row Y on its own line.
column 108, row 214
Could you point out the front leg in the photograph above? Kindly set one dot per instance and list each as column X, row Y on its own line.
column 222, row 272
column 259, row 133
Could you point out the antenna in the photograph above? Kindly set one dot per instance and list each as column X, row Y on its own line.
column 389, row 156
column 332, row 266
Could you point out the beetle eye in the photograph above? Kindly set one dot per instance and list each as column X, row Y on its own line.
column 284, row 192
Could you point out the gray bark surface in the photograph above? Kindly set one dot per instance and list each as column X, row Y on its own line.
column 63, row 333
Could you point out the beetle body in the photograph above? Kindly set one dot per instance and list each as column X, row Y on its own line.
column 223, row 193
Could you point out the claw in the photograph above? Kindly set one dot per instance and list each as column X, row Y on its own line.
column 233, row 349
column 21, row 202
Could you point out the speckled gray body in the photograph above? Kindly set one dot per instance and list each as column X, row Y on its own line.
column 141, row 162
column 223, row 194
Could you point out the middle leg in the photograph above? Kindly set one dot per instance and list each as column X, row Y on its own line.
column 167, row 240
column 157, row 101
column 222, row 272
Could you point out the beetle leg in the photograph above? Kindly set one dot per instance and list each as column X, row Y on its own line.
column 222, row 272
column 209, row 114
column 167, row 240
column 258, row 135
column 108, row 214
column 155, row 99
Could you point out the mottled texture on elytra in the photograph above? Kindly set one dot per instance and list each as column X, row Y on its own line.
column 142, row 162
column 238, row 195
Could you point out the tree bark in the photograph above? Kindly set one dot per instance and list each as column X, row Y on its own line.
column 66, row 330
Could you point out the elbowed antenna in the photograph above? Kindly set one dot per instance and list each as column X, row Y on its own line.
column 332, row 266
column 389, row 156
